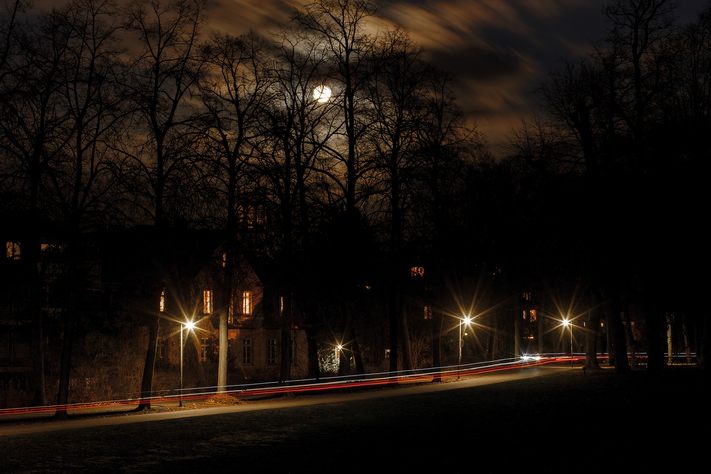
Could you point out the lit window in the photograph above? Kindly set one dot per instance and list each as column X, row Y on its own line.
column 281, row 304
column 428, row 312
column 246, row 351
column 207, row 301
column 162, row 301
column 271, row 351
column 533, row 316
column 12, row 250
column 246, row 302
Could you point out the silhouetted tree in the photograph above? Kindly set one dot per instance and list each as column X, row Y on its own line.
column 165, row 70
column 234, row 93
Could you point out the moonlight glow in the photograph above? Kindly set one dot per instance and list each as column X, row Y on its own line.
column 322, row 94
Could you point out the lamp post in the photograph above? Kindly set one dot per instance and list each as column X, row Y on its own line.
column 570, row 325
column 466, row 321
column 189, row 325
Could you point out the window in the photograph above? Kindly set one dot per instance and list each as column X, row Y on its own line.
column 246, row 351
column 417, row 271
column 12, row 250
column 534, row 317
column 428, row 312
column 207, row 301
column 162, row 301
column 251, row 216
column 246, row 302
column 271, row 351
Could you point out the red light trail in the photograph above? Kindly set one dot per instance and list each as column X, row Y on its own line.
column 363, row 381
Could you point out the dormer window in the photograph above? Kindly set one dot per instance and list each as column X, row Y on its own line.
column 162, row 301
column 246, row 302
column 207, row 301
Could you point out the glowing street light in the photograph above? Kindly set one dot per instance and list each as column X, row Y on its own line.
column 189, row 325
column 467, row 320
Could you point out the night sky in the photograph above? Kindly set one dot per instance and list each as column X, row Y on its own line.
column 500, row 50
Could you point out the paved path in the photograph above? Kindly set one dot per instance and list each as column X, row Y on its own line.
column 52, row 425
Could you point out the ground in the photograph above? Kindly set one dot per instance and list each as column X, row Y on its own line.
column 557, row 423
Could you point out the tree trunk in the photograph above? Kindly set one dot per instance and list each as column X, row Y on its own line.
column 405, row 342
column 687, row 346
column 222, row 355
column 357, row 357
column 517, row 327
column 65, row 367
column 495, row 336
column 539, row 315
column 393, row 323
column 608, row 340
column 437, row 345
column 619, row 346
column 286, row 322
column 149, row 366
column 344, row 364
column 670, row 345
column 591, row 337
column 39, row 397
column 314, row 369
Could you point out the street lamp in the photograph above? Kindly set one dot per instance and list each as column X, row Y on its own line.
column 568, row 324
column 467, row 320
column 189, row 325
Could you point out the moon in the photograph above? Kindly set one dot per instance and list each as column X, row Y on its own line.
column 322, row 94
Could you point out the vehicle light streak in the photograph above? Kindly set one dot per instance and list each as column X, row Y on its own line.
column 306, row 385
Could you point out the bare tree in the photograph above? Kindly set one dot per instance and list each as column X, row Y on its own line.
column 299, row 123
column 165, row 72
column 338, row 28
column 234, row 91
column 395, row 93
column 34, row 128
column 639, row 29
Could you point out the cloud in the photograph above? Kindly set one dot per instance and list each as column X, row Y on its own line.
column 239, row 16
column 454, row 24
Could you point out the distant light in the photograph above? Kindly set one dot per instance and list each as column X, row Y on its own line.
column 529, row 357
column 322, row 94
